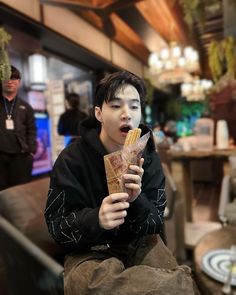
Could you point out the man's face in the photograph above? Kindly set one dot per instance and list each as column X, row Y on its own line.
column 118, row 116
column 10, row 86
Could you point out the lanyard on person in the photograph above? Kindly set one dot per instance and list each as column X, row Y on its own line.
column 9, row 121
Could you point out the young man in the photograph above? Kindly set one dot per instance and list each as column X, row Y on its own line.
column 109, row 238
column 18, row 134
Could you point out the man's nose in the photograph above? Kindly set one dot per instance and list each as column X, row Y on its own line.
column 126, row 113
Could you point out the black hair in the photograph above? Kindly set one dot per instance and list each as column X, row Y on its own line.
column 107, row 87
column 73, row 100
column 15, row 73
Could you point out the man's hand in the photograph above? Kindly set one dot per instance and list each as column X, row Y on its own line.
column 133, row 180
column 113, row 210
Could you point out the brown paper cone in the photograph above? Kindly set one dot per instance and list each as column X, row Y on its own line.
column 113, row 182
column 117, row 164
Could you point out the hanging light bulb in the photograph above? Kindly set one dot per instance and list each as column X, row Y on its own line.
column 181, row 62
column 164, row 55
column 175, row 51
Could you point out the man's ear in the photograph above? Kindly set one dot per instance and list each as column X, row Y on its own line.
column 98, row 114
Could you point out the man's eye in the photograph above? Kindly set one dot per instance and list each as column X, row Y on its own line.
column 115, row 106
column 134, row 107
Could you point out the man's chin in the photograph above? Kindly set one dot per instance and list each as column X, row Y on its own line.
column 120, row 144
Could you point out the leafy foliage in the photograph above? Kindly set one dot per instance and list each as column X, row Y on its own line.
column 5, row 67
column 193, row 11
column 196, row 10
column 177, row 109
column 222, row 58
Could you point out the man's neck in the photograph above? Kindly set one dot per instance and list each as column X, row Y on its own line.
column 9, row 96
column 110, row 145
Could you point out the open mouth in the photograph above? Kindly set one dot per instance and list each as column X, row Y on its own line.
column 125, row 129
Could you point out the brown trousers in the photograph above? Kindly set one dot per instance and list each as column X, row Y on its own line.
column 146, row 268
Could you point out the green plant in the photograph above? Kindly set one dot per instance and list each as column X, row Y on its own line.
column 195, row 10
column 177, row 109
column 228, row 45
column 222, row 58
column 5, row 68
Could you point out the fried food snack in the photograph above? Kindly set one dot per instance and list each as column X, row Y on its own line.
column 117, row 163
column 132, row 136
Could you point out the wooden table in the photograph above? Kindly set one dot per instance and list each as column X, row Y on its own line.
column 219, row 239
column 180, row 166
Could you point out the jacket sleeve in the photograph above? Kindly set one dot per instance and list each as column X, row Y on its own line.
column 61, row 128
column 31, row 130
column 70, row 222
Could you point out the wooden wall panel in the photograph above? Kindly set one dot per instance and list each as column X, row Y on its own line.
column 123, row 59
column 31, row 8
column 78, row 30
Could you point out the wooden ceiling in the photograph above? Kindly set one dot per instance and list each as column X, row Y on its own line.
column 142, row 26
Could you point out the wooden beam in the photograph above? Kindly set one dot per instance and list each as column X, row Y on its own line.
column 124, row 35
column 111, row 5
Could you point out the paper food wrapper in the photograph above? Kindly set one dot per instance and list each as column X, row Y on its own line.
column 117, row 163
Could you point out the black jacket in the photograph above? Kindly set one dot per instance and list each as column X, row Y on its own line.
column 69, row 122
column 78, row 186
column 25, row 127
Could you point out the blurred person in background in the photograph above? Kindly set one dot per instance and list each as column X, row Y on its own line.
column 170, row 131
column 18, row 134
column 159, row 135
column 69, row 121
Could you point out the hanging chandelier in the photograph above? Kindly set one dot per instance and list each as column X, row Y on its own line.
column 174, row 63
column 197, row 90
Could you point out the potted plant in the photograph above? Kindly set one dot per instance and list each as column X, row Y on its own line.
column 222, row 58
column 195, row 10
column 5, row 67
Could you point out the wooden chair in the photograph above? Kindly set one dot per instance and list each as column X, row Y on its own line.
column 171, row 192
column 174, row 217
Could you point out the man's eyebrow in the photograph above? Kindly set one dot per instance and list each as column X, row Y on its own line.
column 118, row 98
